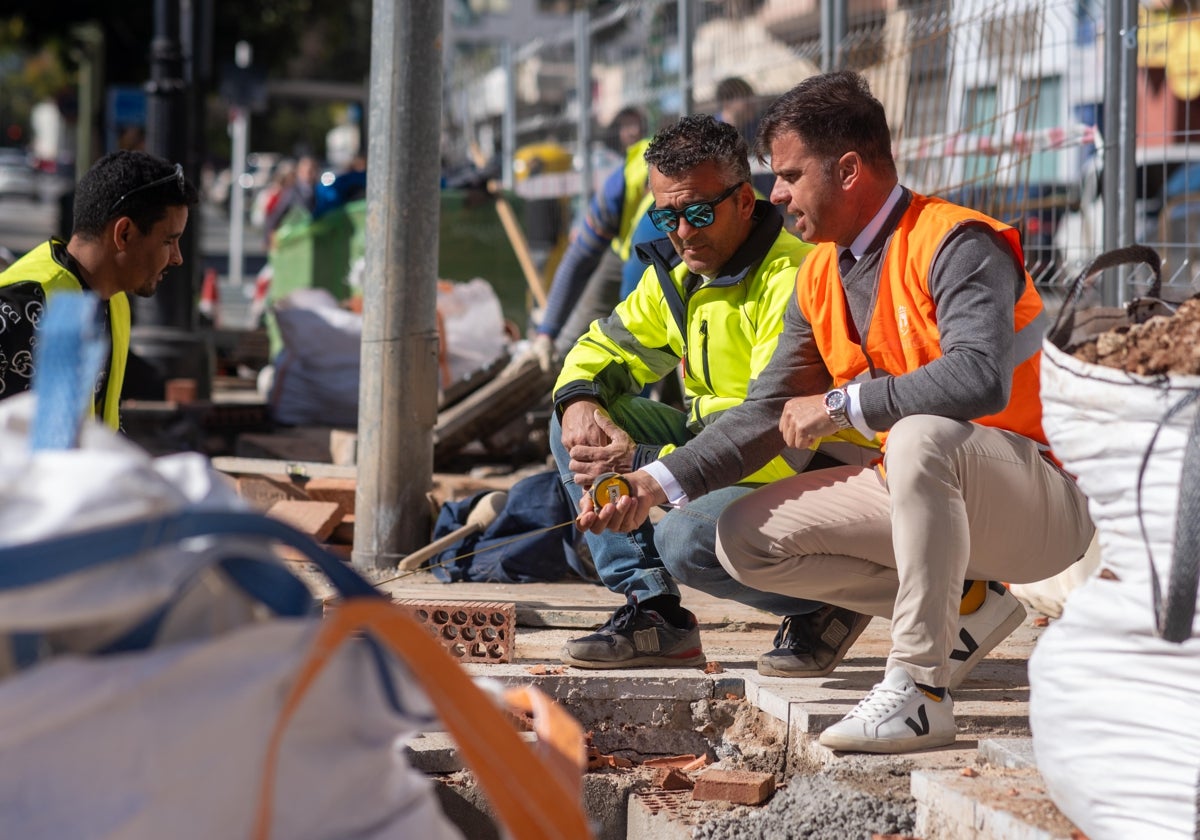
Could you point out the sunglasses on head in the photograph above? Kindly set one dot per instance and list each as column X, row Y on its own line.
column 176, row 176
column 698, row 215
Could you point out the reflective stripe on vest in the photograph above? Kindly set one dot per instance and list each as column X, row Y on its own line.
column 39, row 266
column 903, row 334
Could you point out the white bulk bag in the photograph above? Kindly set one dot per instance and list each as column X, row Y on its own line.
column 1115, row 708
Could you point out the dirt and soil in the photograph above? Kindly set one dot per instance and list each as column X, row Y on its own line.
column 1164, row 344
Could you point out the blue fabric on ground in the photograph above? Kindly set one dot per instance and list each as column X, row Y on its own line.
column 496, row 553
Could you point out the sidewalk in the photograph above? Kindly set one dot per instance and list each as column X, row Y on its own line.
column 984, row 786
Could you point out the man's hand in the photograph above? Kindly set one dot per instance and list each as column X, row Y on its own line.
column 804, row 421
column 628, row 512
column 589, row 458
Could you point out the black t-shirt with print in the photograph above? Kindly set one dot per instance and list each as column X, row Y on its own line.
column 21, row 307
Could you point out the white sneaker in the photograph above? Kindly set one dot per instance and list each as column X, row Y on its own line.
column 894, row 717
column 980, row 631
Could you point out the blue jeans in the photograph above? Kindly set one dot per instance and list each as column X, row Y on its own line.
column 646, row 562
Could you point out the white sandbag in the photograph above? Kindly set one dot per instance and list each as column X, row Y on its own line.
column 143, row 667
column 316, row 374
column 1115, row 710
column 473, row 324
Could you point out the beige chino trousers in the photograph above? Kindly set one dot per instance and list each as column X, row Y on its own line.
column 960, row 501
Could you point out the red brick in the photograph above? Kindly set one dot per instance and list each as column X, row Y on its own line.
column 741, row 787
column 317, row 519
column 340, row 490
column 471, row 631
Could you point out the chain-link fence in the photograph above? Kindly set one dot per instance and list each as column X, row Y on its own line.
column 997, row 104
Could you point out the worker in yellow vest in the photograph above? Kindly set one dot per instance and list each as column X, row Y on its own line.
column 131, row 209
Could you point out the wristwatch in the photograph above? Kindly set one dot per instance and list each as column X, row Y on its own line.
column 836, row 403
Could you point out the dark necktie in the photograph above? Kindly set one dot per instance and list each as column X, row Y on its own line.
column 846, row 261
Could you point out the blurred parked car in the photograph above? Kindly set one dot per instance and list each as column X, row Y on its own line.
column 17, row 176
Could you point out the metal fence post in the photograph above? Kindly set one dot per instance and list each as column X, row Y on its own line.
column 583, row 80
column 687, row 33
column 1120, row 161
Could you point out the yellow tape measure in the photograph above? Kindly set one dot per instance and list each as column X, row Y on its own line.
column 607, row 488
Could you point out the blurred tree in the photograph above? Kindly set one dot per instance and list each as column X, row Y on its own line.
column 327, row 40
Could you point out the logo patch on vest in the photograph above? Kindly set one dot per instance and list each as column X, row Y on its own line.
column 902, row 319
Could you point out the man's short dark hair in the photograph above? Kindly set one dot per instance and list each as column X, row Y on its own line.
column 113, row 188
column 733, row 87
column 832, row 114
column 699, row 139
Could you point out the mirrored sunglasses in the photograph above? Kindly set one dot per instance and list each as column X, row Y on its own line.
column 698, row 215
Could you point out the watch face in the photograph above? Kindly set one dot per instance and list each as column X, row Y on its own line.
column 835, row 400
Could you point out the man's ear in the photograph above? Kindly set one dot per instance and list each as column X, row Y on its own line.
column 849, row 168
column 746, row 199
column 122, row 232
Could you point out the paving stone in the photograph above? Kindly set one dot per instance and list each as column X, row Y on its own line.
column 317, row 519
column 328, row 489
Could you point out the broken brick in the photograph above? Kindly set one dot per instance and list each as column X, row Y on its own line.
column 741, row 787
column 969, row 772
column 669, row 761
column 713, row 668
column 672, row 778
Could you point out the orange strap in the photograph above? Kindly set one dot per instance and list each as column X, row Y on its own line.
column 535, row 795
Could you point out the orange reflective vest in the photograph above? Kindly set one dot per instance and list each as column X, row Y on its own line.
column 903, row 334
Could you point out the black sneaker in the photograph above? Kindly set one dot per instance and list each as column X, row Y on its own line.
column 637, row 638
column 812, row 645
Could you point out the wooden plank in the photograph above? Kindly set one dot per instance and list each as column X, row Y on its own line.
column 517, row 388
column 234, row 465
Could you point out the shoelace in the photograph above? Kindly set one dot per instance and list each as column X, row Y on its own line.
column 794, row 634
column 624, row 617
column 879, row 701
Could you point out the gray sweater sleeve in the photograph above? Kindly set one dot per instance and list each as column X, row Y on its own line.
column 975, row 282
column 744, row 438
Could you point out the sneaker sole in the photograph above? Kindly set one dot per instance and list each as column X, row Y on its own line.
column 768, row 670
column 847, row 743
column 962, row 669
column 694, row 661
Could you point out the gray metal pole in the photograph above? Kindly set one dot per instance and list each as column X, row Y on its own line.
column 583, row 82
column 687, row 31
column 833, row 35
column 398, row 392
column 508, row 126
column 1120, row 141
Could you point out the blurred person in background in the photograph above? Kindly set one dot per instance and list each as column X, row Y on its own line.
column 302, row 194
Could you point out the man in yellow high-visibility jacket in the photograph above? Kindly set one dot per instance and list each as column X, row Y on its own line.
column 131, row 209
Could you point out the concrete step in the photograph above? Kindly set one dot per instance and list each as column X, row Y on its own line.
column 1003, row 798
